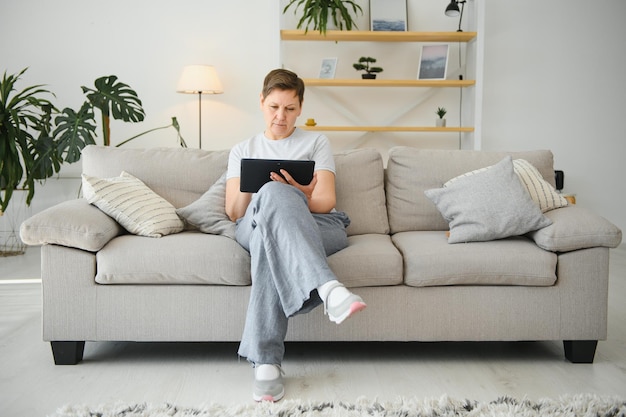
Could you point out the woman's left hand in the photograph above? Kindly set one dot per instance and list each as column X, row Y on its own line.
column 306, row 189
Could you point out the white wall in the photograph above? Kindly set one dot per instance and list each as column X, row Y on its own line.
column 553, row 74
column 554, row 79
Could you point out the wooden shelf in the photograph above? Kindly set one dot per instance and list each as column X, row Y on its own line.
column 372, row 36
column 321, row 82
column 386, row 129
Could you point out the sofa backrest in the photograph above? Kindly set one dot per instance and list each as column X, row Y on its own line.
column 181, row 176
column 412, row 171
column 360, row 187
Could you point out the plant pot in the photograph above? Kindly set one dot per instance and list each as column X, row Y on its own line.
column 17, row 211
column 368, row 76
column 440, row 122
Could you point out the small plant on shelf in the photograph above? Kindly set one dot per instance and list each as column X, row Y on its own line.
column 441, row 112
column 364, row 65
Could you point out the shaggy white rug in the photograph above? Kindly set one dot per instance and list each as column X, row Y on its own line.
column 566, row 406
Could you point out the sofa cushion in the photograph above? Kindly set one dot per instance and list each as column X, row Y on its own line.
column 73, row 223
column 368, row 261
column 430, row 261
column 208, row 213
column 411, row 171
column 576, row 228
column 360, row 187
column 192, row 258
column 491, row 204
column 132, row 204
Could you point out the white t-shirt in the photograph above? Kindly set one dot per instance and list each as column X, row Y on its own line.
column 301, row 145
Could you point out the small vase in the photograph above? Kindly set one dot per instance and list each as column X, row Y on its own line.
column 440, row 122
column 368, row 76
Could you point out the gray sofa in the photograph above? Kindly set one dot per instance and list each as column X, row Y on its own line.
column 102, row 283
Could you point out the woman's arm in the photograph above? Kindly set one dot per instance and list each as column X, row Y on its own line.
column 236, row 201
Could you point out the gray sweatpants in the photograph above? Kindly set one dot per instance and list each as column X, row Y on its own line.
column 288, row 247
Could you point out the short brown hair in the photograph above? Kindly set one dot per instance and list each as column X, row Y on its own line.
column 283, row 80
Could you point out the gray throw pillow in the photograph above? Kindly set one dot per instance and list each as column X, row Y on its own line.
column 208, row 213
column 488, row 205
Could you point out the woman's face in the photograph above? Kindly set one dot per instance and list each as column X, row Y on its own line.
column 280, row 109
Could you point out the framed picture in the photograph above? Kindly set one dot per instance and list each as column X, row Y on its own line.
column 328, row 67
column 433, row 62
column 388, row 15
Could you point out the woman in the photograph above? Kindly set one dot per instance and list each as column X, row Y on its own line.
column 289, row 230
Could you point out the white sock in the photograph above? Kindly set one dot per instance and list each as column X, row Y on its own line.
column 266, row 372
column 336, row 295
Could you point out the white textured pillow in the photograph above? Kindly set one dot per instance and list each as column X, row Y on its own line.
column 488, row 205
column 132, row 204
column 541, row 191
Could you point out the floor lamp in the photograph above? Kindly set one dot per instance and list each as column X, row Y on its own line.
column 199, row 79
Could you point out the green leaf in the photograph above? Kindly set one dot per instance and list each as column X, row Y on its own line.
column 74, row 131
column 24, row 157
column 115, row 99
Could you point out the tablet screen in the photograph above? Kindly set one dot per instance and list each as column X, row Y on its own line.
column 256, row 172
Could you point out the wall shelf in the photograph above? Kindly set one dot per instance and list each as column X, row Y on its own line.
column 386, row 129
column 322, row 82
column 471, row 83
column 372, row 36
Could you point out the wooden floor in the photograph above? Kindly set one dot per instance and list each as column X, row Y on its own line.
column 195, row 373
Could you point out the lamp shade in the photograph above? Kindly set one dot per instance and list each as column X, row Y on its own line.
column 453, row 9
column 199, row 79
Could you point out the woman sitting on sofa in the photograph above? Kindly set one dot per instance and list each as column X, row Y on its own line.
column 289, row 230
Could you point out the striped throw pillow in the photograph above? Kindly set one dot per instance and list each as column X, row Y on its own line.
column 132, row 204
column 541, row 191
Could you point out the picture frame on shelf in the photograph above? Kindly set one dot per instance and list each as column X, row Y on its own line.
column 433, row 64
column 388, row 16
column 328, row 67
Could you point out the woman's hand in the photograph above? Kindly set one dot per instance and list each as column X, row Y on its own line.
column 306, row 189
column 320, row 193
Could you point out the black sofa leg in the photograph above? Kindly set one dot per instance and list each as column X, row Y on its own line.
column 67, row 353
column 580, row 351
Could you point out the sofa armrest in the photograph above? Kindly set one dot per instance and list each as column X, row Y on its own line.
column 74, row 223
column 576, row 228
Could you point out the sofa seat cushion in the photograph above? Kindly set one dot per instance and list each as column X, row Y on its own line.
column 430, row 261
column 184, row 258
column 368, row 261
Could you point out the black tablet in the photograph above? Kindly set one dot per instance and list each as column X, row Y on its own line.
column 256, row 172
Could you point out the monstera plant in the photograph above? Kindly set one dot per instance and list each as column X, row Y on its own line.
column 36, row 139
column 76, row 129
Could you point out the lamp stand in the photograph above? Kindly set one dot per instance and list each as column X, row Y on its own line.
column 200, row 119
column 461, row 16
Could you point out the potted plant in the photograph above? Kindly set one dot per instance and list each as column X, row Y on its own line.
column 441, row 112
column 34, row 144
column 324, row 13
column 28, row 150
column 364, row 65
